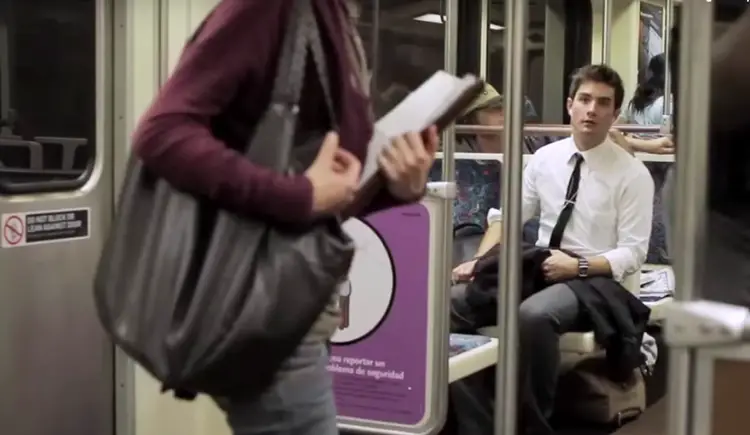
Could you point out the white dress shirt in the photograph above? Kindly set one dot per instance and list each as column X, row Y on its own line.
column 613, row 212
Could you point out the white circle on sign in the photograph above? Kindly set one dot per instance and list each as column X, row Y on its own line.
column 366, row 298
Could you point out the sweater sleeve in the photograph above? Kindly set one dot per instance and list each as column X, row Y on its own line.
column 174, row 138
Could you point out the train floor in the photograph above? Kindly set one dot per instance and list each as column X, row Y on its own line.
column 652, row 422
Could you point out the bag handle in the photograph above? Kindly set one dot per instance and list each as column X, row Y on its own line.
column 287, row 87
column 322, row 67
column 271, row 143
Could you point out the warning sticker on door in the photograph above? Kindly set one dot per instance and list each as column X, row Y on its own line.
column 33, row 228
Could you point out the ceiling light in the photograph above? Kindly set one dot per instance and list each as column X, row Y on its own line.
column 437, row 19
column 430, row 18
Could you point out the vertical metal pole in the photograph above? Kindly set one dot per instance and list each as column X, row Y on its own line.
column 690, row 191
column 451, row 60
column 667, row 41
column 516, row 22
column 163, row 19
column 484, row 40
column 607, row 32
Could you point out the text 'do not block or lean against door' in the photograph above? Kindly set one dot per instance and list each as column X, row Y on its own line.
column 38, row 227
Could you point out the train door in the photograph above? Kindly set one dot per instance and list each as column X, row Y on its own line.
column 709, row 382
column 56, row 366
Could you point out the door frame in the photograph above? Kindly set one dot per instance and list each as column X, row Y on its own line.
column 137, row 65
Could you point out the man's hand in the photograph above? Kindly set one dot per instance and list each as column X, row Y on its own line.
column 464, row 271
column 560, row 266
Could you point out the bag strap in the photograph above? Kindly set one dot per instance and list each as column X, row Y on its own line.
column 303, row 33
column 271, row 143
column 319, row 58
column 287, row 87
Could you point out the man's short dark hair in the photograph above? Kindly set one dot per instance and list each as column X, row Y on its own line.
column 598, row 74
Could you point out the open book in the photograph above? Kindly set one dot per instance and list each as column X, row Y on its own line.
column 438, row 101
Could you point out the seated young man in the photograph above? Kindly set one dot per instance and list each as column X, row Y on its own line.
column 611, row 195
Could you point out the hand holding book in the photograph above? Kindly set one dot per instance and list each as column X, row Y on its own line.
column 427, row 110
column 406, row 163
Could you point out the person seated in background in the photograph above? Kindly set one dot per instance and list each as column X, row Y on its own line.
column 479, row 181
column 488, row 110
column 646, row 108
column 594, row 200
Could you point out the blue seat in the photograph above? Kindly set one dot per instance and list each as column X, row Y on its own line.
column 478, row 189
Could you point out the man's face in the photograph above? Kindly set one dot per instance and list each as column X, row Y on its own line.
column 592, row 110
column 490, row 143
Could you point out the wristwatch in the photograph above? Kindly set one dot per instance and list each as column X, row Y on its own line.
column 345, row 291
column 583, row 268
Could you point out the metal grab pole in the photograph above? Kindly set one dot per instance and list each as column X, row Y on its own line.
column 690, row 191
column 516, row 22
column 484, row 39
column 667, row 41
column 450, row 50
column 607, row 32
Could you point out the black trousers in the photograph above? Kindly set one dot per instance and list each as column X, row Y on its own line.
column 542, row 318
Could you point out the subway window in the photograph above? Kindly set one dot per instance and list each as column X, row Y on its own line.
column 645, row 106
column 535, row 54
column 404, row 41
column 47, row 94
column 650, row 35
column 558, row 40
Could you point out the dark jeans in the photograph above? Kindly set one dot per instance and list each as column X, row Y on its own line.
column 542, row 318
column 301, row 402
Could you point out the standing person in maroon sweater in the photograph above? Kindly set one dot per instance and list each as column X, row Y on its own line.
column 193, row 136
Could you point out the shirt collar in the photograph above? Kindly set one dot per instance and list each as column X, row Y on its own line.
column 592, row 157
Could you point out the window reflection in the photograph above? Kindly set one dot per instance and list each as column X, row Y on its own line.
column 650, row 36
column 47, row 89
column 535, row 56
column 404, row 48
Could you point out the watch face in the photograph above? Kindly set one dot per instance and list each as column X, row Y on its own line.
column 583, row 268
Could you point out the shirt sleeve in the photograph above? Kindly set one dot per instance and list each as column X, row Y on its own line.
column 655, row 111
column 175, row 138
column 634, row 217
column 529, row 195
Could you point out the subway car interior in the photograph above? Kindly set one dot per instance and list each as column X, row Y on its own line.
column 76, row 75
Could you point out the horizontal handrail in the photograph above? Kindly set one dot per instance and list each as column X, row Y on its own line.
column 644, row 157
column 551, row 129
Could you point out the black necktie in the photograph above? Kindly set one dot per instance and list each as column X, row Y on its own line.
column 570, row 201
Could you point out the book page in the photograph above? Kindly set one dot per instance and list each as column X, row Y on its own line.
column 418, row 111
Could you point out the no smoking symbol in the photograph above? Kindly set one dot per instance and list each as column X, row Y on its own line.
column 13, row 230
